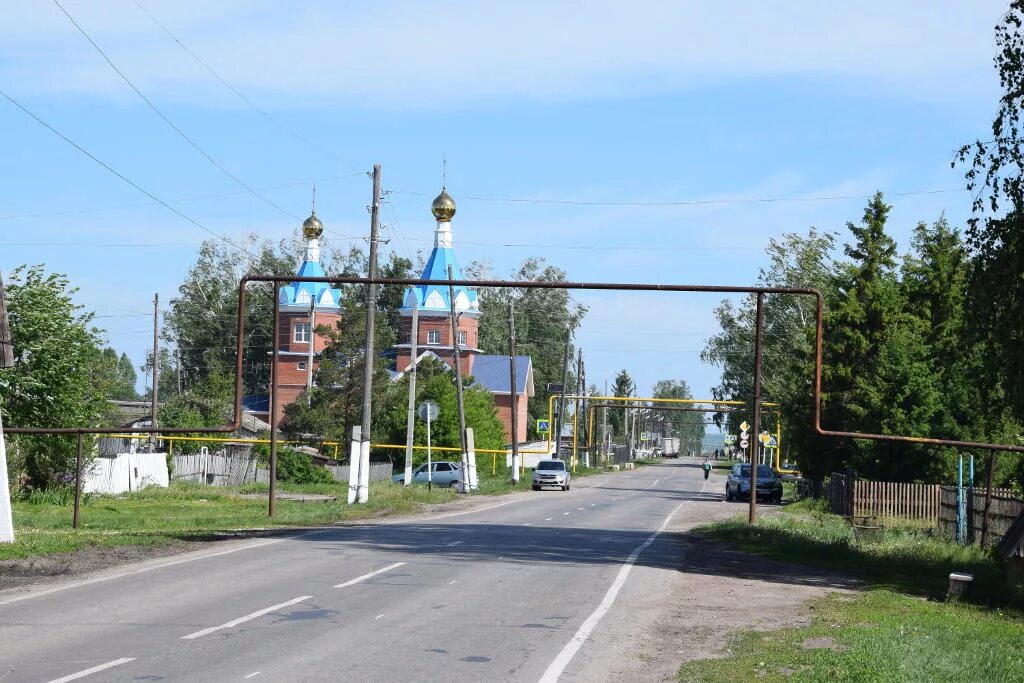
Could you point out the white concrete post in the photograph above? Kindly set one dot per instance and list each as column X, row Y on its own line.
column 353, row 464
column 472, row 483
column 6, row 521
column 364, row 472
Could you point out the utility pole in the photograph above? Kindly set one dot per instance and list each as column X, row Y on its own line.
column 513, row 393
column 604, row 423
column 458, row 375
column 6, row 361
column 410, row 419
column 576, row 405
column 309, row 358
column 371, row 307
column 561, row 397
column 755, row 433
column 585, row 408
column 177, row 367
column 156, row 370
column 6, row 343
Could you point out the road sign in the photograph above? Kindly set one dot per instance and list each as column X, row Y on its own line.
column 744, row 443
column 544, row 426
column 428, row 411
column 554, row 388
column 729, row 439
column 744, row 426
column 764, row 438
column 773, row 442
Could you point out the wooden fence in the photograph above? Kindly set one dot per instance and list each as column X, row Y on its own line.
column 379, row 471
column 1005, row 508
column 896, row 499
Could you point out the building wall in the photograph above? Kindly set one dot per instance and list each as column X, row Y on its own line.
column 504, row 404
column 290, row 381
column 443, row 325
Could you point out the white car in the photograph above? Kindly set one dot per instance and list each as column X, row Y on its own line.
column 551, row 473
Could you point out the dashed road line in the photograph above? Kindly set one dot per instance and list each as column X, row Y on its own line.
column 247, row 617
column 364, row 577
column 96, row 669
column 254, row 673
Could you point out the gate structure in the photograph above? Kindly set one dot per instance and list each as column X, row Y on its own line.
column 759, row 292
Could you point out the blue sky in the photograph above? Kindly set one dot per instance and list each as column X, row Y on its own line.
column 718, row 102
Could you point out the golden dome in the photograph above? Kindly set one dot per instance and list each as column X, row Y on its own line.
column 312, row 228
column 443, row 207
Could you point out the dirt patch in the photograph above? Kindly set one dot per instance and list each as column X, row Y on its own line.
column 691, row 614
column 822, row 644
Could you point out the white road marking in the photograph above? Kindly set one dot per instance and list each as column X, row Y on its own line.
column 364, row 577
column 95, row 669
column 449, row 545
column 247, row 617
column 451, row 582
column 652, row 484
column 555, row 669
column 579, row 508
column 565, row 513
column 548, row 519
column 526, row 524
column 254, row 673
column 378, row 616
column 593, row 504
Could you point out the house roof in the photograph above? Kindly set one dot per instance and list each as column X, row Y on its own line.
column 430, row 298
column 302, row 293
column 491, row 372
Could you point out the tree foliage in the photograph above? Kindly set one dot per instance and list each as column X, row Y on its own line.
column 542, row 318
column 59, row 378
column 687, row 426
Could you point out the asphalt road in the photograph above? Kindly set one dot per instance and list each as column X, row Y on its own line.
column 529, row 587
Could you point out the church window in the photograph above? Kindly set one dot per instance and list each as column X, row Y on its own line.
column 301, row 333
column 433, row 336
column 462, row 337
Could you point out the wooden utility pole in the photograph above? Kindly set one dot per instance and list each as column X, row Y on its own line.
column 371, row 307
column 513, row 394
column 988, row 496
column 458, row 375
column 309, row 357
column 156, row 371
column 6, row 361
column 410, row 418
column 561, row 394
column 576, row 423
column 177, row 366
column 6, row 343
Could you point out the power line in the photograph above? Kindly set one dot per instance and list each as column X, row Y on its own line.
column 122, row 177
column 170, row 123
column 692, row 202
column 219, row 195
column 242, row 97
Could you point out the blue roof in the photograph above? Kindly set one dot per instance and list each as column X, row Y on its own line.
column 256, row 404
column 435, row 297
column 301, row 293
column 491, row 372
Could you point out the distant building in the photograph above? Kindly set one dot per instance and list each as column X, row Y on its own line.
column 304, row 306
column 434, row 306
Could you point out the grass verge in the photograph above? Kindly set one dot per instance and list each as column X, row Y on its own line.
column 187, row 511
column 876, row 636
column 908, row 558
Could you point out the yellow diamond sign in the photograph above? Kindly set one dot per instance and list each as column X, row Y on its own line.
column 744, row 426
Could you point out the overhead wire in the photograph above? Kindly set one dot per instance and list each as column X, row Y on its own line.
column 691, row 202
column 156, row 110
column 240, row 95
column 124, row 178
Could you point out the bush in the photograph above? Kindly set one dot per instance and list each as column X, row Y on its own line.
column 298, row 468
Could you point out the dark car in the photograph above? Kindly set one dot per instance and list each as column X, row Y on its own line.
column 738, row 483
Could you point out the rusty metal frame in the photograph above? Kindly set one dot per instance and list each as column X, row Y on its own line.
column 278, row 280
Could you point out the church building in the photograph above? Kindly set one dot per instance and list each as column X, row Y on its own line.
column 304, row 306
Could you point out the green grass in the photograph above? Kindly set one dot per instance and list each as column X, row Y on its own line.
column 877, row 636
column 909, row 558
column 189, row 511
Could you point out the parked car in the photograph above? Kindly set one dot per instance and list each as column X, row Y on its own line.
column 551, row 473
column 737, row 485
column 444, row 474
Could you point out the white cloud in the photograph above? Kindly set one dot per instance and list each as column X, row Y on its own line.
column 414, row 54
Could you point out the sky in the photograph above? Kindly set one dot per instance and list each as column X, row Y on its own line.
column 650, row 141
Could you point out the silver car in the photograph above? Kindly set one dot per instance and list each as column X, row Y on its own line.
column 444, row 474
column 551, row 473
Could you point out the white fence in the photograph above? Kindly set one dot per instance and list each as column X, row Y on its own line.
column 216, row 469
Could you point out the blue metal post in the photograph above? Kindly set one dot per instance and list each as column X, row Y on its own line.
column 961, row 526
column 970, row 478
